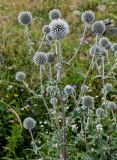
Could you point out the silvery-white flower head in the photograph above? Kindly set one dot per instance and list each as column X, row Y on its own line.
column 20, row 76
column 54, row 14
column 88, row 101
column 88, row 17
column 49, row 37
column 53, row 101
column 108, row 87
column 50, row 57
column 114, row 47
column 46, row 29
column 59, row 29
column 99, row 127
column 29, row 123
column 99, row 112
column 115, row 54
column 95, row 50
column 25, row 18
column 112, row 106
column 49, row 89
column 84, row 88
column 104, row 42
column 68, row 90
column 40, row 58
column 98, row 27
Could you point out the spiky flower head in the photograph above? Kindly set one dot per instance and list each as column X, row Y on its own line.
column 95, row 50
column 46, row 29
column 59, row 29
column 68, row 90
column 88, row 101
column 114, row 47
column 88, row 17
column 108, row 87
column 104, row 42
column 99, row 112
column 98, row 27
column 49, row 37
column 54, row 14
column 99, row 127
column 112, row 106
column 40, row 58
column 53, row 101
column 50, row 57
column 84, row 88
column 49, row 89
column 29, row 123
column 115, row 54
column 20, row 76
column 25, row 18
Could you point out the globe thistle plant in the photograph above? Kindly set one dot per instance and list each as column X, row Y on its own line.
column 104, row 42
column 84, row 88
column 98, row 27
column 88, row 17
column 95, row 50
column 108, row 87
column 68, row 90
column 114, row 47
column 40, row 58
column 49, row 89
column 99, row 112
column 50, row 57
column 53, row 101
column 20, row 76
column 104, row 52
column 112, row 106
column 29, row 123
column 25, row 18
column 46, row 29
column 88, row 101
column 59, row 29
column 54, row 14
column 49, row 37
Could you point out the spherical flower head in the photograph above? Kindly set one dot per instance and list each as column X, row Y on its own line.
column 95, row 50
column 88, row 17
column 104, row 52
column 104, row 42
column 68, row 90
column 99, row 112
column 53, row 101
column 108, row 87
column 114, row 47
column 84, row 88
column 49, row 37
column 50, row 57
column 20, row 76
column 46, row 29
column 88, row 101
column 49, row 89
column 99, row 127
column 115, row 54
column 29, row 123
column 59, row 29
column 40, row 58
column 98, row 27
column 112, row 106
column 25, row 18
column 54, row 14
